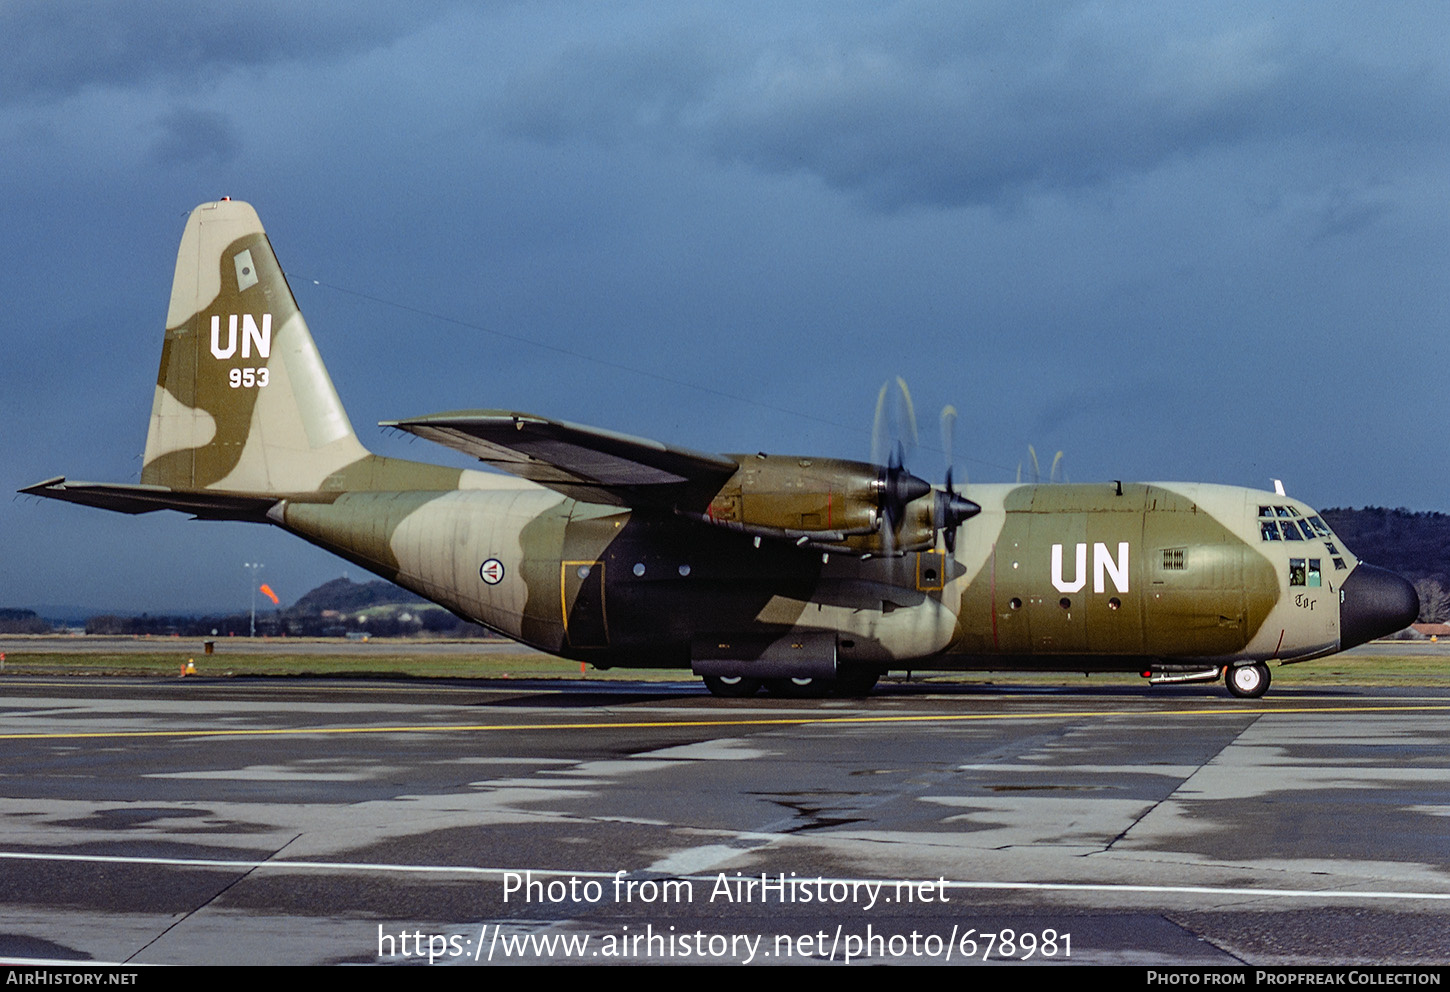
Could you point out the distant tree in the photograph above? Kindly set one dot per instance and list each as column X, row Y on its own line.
column 1434, row 601
column 108, row 624
column 23, row 622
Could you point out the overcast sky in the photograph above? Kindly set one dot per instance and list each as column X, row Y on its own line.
column 1198, row 241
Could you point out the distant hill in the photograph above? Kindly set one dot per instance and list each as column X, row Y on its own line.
column 1416, row 545
column 334, row 609
column 23, row 622
column 346, row 596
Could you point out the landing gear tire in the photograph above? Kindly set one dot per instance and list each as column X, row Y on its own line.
column 799, row 688
column 1248, row 681
column 853, row 685
column 732, row 686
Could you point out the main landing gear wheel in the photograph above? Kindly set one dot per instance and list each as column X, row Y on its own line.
column 732, row 686
column 1248, row 681
column 799, row 688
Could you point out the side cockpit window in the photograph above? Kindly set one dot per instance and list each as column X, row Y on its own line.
column 1305, row 572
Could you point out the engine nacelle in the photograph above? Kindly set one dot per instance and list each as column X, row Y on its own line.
column 828, row 503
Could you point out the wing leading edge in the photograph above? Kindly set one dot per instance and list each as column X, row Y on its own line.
column 585, row 463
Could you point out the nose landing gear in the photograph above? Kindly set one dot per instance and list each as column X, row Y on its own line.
column 1248, row 681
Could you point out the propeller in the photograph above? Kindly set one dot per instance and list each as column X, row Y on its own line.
column 892, row 431
column 951, row 510
column 1037, row 470
column 893, row 436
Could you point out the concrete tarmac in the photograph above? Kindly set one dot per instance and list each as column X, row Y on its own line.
column 249, row 821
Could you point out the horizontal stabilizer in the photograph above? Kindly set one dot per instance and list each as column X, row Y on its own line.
column 585, row 463
column 145, row 499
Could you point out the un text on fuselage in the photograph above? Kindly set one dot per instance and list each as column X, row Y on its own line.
column 261, row 336
column 1104, row 566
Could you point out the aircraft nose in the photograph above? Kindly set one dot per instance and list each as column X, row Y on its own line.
column 1374, row 602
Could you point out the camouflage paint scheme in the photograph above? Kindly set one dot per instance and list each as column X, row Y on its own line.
column 624, row 552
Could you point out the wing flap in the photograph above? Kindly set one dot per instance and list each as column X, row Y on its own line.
column 586, row 463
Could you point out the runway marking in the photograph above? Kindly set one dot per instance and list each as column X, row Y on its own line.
column 350, row 866
column 741, row 722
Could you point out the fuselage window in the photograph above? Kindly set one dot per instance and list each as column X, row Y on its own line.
column 1296, row 571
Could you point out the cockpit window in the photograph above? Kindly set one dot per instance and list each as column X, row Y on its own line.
column 1285, row 523
column 1296, row 571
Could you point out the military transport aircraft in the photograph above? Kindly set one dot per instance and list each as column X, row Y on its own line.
column 805, row 575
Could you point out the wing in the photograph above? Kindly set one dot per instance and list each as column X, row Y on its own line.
column 585, row 463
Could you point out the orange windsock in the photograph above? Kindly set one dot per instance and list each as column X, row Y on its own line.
column 266, row 590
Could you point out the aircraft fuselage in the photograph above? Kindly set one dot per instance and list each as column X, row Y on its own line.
column 1097, row 577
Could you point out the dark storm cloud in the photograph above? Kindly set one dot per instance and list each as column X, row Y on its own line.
column 189, row 135
column 1236, row 271
column 960, row 105
column 55, row 50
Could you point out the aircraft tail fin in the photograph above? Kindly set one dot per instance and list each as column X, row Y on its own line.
column 243, row 403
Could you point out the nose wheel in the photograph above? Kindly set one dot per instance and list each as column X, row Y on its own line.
column 1248, row 681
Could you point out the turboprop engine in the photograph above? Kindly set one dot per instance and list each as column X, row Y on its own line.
column 835, row 505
